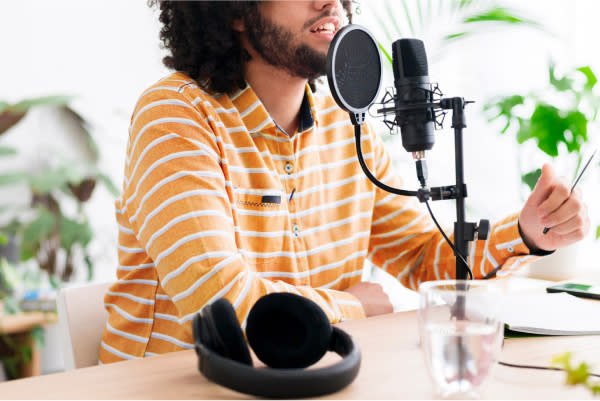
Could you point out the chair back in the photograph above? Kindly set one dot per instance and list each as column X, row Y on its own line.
column 81, row 319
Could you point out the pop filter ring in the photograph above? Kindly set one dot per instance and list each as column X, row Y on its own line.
column 357, row 112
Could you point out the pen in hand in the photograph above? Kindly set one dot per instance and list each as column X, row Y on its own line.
column 546, row 229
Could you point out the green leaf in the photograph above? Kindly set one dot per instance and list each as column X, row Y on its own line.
column 562, row 360
column 385, row 53
column 597, row 232
column 90, row 267
column 561, row 85
column 578, row 375
column 531, row 178
column 56, row 178
column 41, row 227
column 37, row 333
column 10, row 364
column 72, row 232
column 576, row 122
column 457, row 35
column 9, row 274
column 11, row 306
column 498, row 14
column 24, row 105
column 548, row 128
column 505, row 106
column 55, row 282
column 590, row 76
column 13, row 178
column 7, row 151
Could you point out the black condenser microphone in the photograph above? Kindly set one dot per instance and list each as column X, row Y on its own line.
column 413, row 94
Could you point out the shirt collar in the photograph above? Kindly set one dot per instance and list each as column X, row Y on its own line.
column 257, row 119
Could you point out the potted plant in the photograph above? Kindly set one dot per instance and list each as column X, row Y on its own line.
column 45, row 238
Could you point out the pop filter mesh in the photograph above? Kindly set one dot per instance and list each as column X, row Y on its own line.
column 357, row 69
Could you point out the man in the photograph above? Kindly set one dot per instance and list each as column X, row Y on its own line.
column 241, row 181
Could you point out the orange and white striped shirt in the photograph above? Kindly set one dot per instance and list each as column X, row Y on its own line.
column 219, row 202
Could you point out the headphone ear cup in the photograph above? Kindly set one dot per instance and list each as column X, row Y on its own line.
column 288, row 331
column 219, row 330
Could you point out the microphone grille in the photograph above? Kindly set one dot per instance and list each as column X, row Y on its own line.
column 413, row 56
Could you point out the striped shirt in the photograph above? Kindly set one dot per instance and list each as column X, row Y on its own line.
column 219, row 202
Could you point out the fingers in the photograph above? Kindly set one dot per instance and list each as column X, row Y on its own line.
column 558, row 194
column 560, row 207
column 575, row 226
column 576, row 235
column 543, row 187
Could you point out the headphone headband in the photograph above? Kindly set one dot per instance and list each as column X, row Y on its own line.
column 284, row 383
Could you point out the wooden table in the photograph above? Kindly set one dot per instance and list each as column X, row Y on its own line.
column 18, row 327
column 392, row 367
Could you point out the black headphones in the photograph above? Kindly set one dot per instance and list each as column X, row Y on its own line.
column 288, row 333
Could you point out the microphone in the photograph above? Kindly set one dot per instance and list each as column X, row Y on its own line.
column 354, row 75
column 413, row 114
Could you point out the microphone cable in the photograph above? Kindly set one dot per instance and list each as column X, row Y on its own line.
column 469, row 272
column 396, row 191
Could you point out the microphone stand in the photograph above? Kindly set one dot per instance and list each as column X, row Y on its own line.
column 460, row 239
column 463, row 232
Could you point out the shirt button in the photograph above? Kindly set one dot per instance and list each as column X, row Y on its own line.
column 289, row 167
column 296, row 230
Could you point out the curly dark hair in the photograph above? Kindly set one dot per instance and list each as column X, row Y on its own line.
column 201, row 42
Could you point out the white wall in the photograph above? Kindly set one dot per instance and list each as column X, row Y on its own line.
column 106, row 52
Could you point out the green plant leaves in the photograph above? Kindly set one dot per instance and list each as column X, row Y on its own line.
column 72, row 232
column 531, row 178
column 55, row 178
column 13, row 178
column 498, row 14
column 7, row 151
column 590, row 77
column 9, row 276
column 459, row 19
column 549, row 125
column 10, row 115
column 41, row 227
column 575, row 375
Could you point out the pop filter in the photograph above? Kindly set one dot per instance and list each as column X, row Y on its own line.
column 354, row 70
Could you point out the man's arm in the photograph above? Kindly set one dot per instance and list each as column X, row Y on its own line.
column 406, row 243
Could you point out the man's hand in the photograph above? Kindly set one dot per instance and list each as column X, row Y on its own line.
column 373, row 299
column 552, row 205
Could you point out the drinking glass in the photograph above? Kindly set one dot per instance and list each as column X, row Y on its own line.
column 461, row 334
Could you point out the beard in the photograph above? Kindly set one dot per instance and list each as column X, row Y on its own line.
column 276, row 45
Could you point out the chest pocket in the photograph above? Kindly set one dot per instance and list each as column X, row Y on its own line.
column 262, row 225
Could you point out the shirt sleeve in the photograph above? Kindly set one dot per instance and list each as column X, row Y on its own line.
column 405, row 242
column 178, row 203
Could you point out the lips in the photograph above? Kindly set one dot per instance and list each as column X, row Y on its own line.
column 328, row 25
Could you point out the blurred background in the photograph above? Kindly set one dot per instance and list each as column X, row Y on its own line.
column 72, row 70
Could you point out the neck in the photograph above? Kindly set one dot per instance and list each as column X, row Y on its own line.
column 280, row 92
